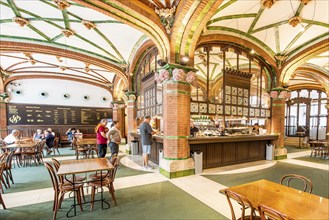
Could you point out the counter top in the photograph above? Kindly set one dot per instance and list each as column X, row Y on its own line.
column 218, row 139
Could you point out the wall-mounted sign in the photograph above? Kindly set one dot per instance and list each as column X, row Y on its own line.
column 21, row 114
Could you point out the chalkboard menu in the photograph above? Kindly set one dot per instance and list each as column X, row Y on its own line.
column 21, row 114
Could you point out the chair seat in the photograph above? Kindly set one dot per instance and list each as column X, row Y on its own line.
column 78, row 179
column 106, row 181
column 97, row 176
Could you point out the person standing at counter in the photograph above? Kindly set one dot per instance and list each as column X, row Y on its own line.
column 101, row 131
column 193, row 129
column 114, row 138
column 146, row 138
column 255, row 128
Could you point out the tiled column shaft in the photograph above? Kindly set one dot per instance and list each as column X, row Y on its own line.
column 278, row 107
column 176, row 119
column 132, row 123
column 3, row 113
column 119, row 115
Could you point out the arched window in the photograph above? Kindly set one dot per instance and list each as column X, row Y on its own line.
column 305, row 111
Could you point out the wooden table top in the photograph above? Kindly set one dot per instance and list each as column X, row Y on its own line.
column 19, row 145
column 87, row 141
column 294, row 203
column 82, row 166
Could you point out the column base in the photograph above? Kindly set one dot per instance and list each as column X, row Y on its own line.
column 280, row 153
column 176, row 168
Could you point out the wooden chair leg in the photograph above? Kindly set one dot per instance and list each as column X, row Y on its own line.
column 79, row 199
column 111, row 190
column 93, row 191
column 2, row 202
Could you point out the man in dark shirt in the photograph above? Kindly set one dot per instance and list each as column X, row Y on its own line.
column 49, row 140
column 146, row 138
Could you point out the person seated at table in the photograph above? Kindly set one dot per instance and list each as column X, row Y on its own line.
column 51, row 131
column 70, row 134
column 38, row 135
column 49, row 141
column 12, row 138
column 78, row 135
column 114, row 138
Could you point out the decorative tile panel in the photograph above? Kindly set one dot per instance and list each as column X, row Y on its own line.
column 228, row 99
column 212, row 108
column 252, row 112
column 240, row 100
column 233, row 110
column 268, row 113
column 239, row 110
column 262, row 113
column 219, row 109
column 194, row 107
column 256, row 112
column 228, row 90
column 203, row 107
column 234, row 91
column 227, row 110
column 245, row 111
column 245, row 101
column 234, row 100
column 240, row 92
column 246, row 93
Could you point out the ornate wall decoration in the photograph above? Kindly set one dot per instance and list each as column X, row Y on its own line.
column 203, row 107
column 194, row 107
column 167, row 17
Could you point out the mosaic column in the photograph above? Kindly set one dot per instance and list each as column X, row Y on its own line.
column 279, row 95
column 327, row 128
column 176, row 161
column 118, row 115
column 131, row 117
column 4, row 99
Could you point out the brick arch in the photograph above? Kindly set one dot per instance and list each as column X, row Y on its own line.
column 300, row 58
column 136, row 15
column 195, row 14
column 145, row 46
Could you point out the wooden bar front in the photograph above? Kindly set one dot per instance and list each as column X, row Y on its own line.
column 219, row 151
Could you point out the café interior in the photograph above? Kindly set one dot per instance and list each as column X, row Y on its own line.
column 252, row 76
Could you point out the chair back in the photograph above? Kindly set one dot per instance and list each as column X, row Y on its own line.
column 56, row 163
column 56, row 140
column 9, row 160
column 53, row 176
column 2, row 168
column 243, row 201
column 287, row 179
column 269, row 213
column 115, row 162
column 3, row 157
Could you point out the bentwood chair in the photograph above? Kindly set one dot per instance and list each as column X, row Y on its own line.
column 7, row 170
column 269, row 213
column 77, row 179
column 2, row 177
column 61, row 189
column 245, row 204
column 104, row 180
column 297, row 180
column 2, row 166
column 56, row 145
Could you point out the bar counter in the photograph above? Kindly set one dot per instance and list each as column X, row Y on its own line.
column 219, row 150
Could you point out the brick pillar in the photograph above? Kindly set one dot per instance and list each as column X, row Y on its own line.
column 327, row 128
column 119, row 115
column 132, row 123
column 3, row 112
column 176, row 127
column 278, row 109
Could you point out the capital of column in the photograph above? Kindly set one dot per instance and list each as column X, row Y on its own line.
column 280, row 93
column 176, row 72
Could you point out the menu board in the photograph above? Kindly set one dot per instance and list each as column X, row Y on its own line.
column 21, row 114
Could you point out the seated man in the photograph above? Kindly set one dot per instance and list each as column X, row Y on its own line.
column 12, row 138
column 38, row 135
column 49, row 141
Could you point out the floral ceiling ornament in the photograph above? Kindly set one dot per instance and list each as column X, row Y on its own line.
column 305, row 2
column 21, row 21
column 167, row 17
column 176, row 75
column 87, row 69
column 62, row 4
column 280, row 93
column 88, row 24
column 267, row 3
column 280, row 59
column 67, row 32
column 294, row 21
column 5, row 74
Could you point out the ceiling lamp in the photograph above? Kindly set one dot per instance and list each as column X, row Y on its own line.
column 67, row 32
column 88, row 24
column 294, row 21
column 62, row 4
column 267, row 3
column 20, row 21
column 5, row 74
column 305, row 2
